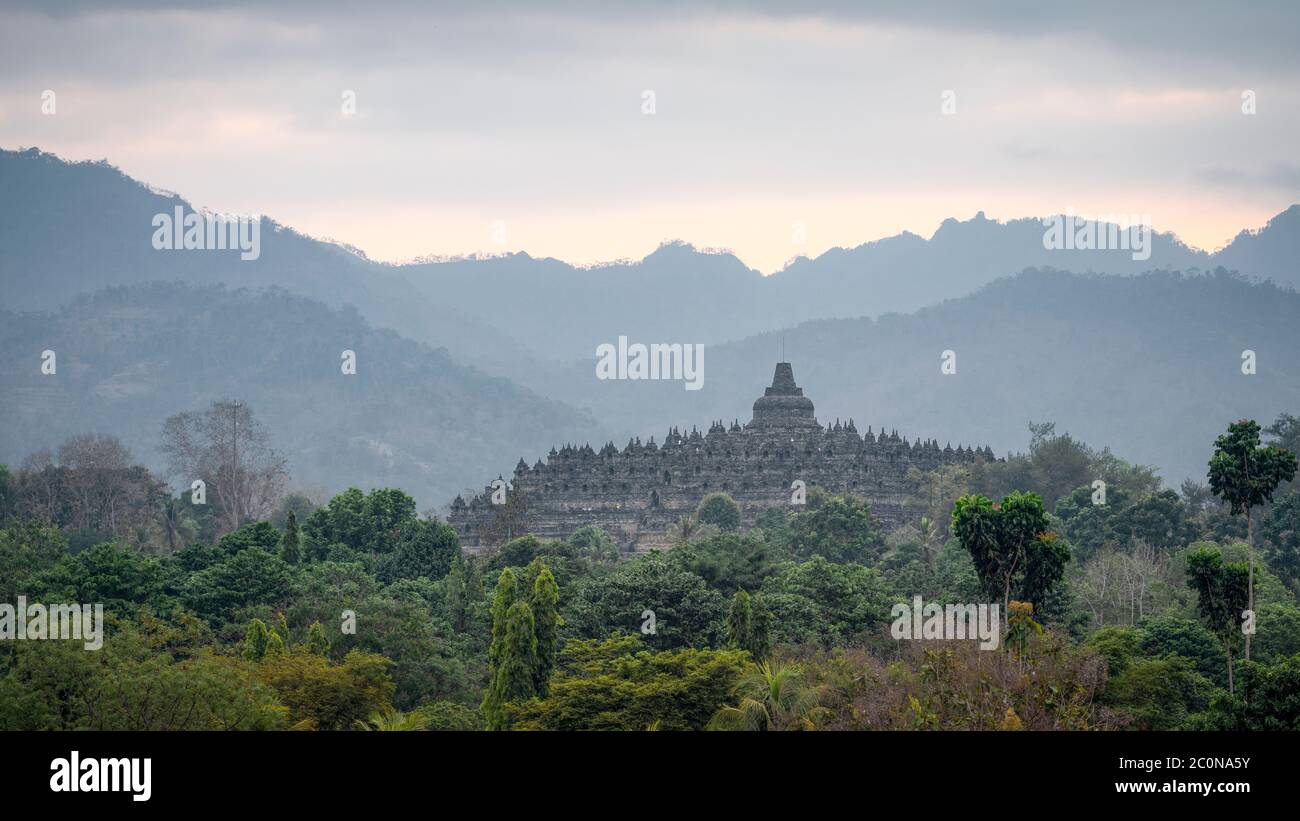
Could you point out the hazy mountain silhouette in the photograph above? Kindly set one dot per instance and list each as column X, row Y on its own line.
column 71, row 228
column 1273, row 251
column 128, row 357
column 906, row 272
column 68, row 228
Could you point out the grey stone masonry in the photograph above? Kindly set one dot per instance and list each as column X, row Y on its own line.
column 636, row 494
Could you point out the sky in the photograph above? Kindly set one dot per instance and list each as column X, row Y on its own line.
column 507, row 126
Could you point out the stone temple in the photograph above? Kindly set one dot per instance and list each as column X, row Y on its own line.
column 636, row 494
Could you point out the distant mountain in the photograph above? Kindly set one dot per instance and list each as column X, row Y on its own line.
column 906, row 272
column 68, row 228
column 128, row 357
column 1273, row 251
column 72, row 228
column 1148, row 365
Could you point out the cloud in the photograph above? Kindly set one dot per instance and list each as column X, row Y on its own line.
column 1279, row 176
column 500, row 110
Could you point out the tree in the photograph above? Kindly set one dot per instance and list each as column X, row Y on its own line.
column 259, row 535
column 121, row 578
column 935, row 491
column 374, row 523
column 771, row 696
column 1187, row 638
column 1161, row 693
column 226, row 447
column 1281, row 532
column 686, row 611
column 1011, row 546
column 827, row 604
column 426, row 548
column 687, row 529
column 291, row 541
column 178, row 526
column 256, row 639
column 317, row 643
column 1245, row 475
column 720, row 510
column 728, row 561
column 507, row 590
column 295, row 502
column 1269, row 699
column 616, row 684
column 457, row 604
column 1285, row 431
column 594, row 544
column 8, row 494
column 517, row 552
column 252, row 576
column 1118, row 585
column 840, row 529
column 544, row 603
column 391, row 720
column 450, row 716
column 129, row 684
column 747, row 626
column 514, row 677
column 322, row 695
column 931, row 542
column 739, row 617
column 94, row 492
column 1221, row 592
column 508, row 520
column 26, row 549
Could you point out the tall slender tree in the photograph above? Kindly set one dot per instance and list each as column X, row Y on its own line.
column 507, row 591
column 739, row 618
column 256, row 639
column 1221, row 592
column 748, row 625
column 457, row 607
column 514, row 677
column 1245, row 475
column 291, row 541
column 317, row 642
column 544, row 603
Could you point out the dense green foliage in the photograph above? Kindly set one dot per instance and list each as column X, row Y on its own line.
column 1123, row 614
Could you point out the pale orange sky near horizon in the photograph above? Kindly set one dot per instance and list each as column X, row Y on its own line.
column 762, row 119
column 761, row 234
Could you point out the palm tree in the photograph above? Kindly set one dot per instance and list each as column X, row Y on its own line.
column 772, row 697
column 688, row 529
column 178, row 528
column 929, row 541
column 390, row 720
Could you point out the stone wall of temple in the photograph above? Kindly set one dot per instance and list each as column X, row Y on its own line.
column 637, row 493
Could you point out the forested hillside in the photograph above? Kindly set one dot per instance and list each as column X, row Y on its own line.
column 127, row 358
